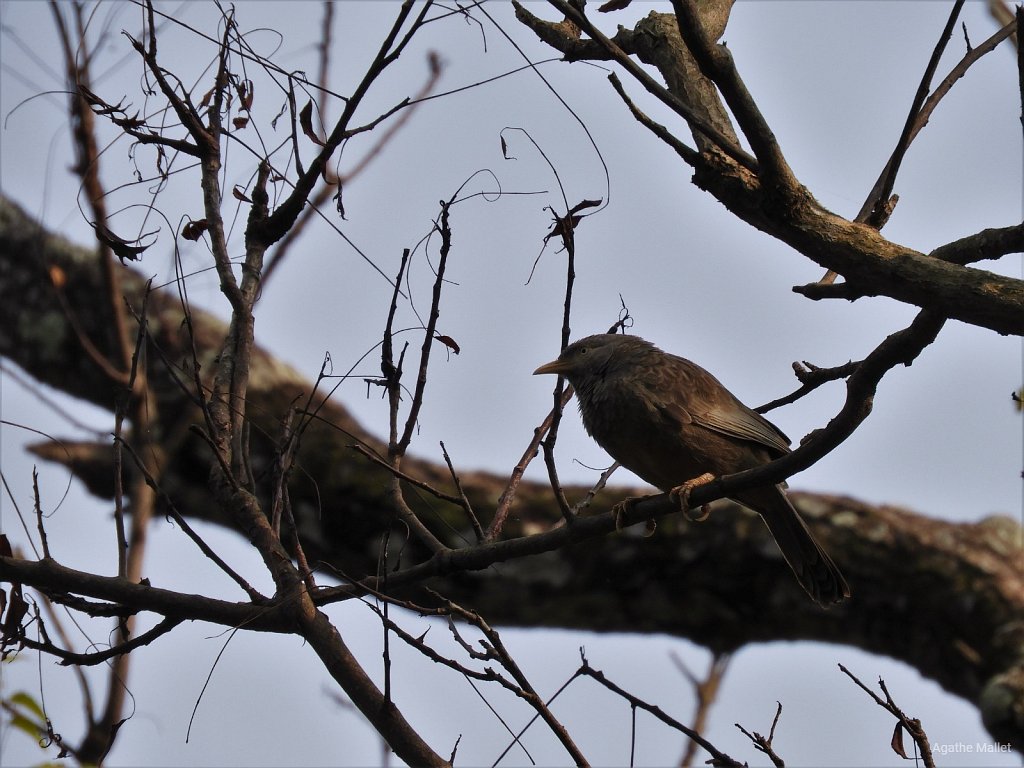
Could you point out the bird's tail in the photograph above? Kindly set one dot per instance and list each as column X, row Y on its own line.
column 813, row 568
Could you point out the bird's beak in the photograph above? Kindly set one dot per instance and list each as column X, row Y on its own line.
column 555, row 366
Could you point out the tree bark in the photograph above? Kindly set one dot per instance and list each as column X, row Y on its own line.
column 764, row 193
column 946, row 598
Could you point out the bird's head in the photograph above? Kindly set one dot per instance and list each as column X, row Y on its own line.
column 593, row 356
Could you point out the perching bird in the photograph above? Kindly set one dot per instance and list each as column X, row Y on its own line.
column 672, row 423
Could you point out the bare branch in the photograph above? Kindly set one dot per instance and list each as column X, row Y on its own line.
column 70, row 658
column 724, row 142
column 721, row 758
column 871, row 212
column 764, row 743
column 716, row 62
column 903, row 723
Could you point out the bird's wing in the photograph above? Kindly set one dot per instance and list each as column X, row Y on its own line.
column 737, row 420
column 689, row 394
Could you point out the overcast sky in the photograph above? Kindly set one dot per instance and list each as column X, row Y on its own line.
column 834, row 79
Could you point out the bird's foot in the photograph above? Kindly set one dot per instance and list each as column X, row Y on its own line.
column 681, row 495
column 698, row 516
column 619, row 511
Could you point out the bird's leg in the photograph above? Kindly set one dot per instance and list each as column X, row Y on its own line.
column 681, row 495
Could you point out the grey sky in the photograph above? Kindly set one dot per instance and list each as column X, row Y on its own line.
column 835, row 80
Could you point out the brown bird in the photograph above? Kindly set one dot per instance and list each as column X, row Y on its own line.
column 676, row 426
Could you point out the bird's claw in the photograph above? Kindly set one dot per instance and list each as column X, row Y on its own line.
column 681, row 495
column 619, row 511
column 698, row 516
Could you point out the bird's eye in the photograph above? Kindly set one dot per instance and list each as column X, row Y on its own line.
column 583, row 350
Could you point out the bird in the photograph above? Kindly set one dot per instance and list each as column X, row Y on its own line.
column 676, row 426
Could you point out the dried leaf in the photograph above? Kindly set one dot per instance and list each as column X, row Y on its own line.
column 613, row 5
column 205, row 101
column 5, row 546
column 16, row 611
column 239, row 194
column 123, row 249
column 504, row 150
column 897, row 741
column 91, row 98
column 240, row 122
column 193, row 230
column 585, row 204
column 129, row 123
column 560, row 228
column 245, row 94
column 449, row 342
column 306, row 121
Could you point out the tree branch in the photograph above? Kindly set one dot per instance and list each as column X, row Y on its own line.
column 907, row 571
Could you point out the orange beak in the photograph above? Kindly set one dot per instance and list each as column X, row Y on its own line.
column 555, row 366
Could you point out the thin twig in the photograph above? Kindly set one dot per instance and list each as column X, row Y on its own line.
column 187, row 529
column 705, row 691
column 686, row 152
column 903, row 722
column 764, row 743
column 811, row 377
column 602, row 481
column 720, row 757
column 509, row 493
column 39, row 513
column 71, row 658
column 463, row 501
column 872, row 213
column 493, row 650
column 362, row 450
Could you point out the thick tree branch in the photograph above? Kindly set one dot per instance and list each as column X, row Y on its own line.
column 987, row 244
column 954, row 590
column 691, row 96
column 871, row 264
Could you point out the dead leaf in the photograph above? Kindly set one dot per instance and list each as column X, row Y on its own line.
column 16, row 610
column 193, row 230
column 123, row 249
column 449, row 342
column 897, row 741
column 239, row 194
column 240, row 122
column 585, row 204
column 338, row 203
column 306, row 121
column 613, row 5
column 245, row 93
column 562, row 227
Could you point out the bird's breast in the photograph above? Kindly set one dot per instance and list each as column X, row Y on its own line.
column 637, row 434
